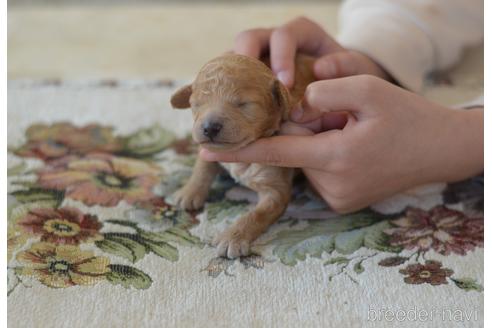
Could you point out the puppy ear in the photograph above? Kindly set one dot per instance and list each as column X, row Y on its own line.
column 181, row 98
column 281, row 98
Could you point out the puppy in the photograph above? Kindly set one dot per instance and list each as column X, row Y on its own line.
column 236, row 100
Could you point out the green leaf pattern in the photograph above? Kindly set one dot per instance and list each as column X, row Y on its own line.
column 468, row 284
column 128, row 276
column 345, row 234
column 334, row 239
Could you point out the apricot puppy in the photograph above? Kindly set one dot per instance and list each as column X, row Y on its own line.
column 236, row 100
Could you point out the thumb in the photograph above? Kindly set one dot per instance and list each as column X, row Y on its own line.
column 353, row 94
column 285, row 151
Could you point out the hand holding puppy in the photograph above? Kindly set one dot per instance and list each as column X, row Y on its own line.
column 361, row 139
column 302, row 35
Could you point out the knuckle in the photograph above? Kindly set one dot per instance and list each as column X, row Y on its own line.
column 274, row 158
column 350, row 63
column 337, row 66
column 351, row 56
column 367, row 79
column 246, row 35
column 301, row 20
column 283, row 32
column 367, row 85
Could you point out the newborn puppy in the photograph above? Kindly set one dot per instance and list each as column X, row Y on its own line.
column 236, row 100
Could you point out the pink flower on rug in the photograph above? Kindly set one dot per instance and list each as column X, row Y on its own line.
column 61, row 139
column 101, row 179
column 444, row 230
column 65, row 225
column 430, row 272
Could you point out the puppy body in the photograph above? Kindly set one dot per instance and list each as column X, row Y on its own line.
column 236, row 100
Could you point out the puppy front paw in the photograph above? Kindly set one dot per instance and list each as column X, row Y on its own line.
column 232, row 243
column 190, row 198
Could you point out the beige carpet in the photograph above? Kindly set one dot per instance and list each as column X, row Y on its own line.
column 93, row 240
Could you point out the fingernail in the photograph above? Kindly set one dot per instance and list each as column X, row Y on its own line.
column 296, row 113
column 284, row 77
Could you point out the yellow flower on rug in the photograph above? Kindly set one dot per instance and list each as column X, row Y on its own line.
column 65, row 225
column 60, row 266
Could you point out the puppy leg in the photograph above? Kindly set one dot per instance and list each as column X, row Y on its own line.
column 193, row 194
column 235, row 240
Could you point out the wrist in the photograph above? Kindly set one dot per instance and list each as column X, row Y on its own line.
column 460, row 143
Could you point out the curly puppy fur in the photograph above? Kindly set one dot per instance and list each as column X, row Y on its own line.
column 236, row 100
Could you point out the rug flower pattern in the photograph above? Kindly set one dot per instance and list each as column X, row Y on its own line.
column 66, row 174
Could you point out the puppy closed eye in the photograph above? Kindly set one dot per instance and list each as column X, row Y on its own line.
column 243, row 104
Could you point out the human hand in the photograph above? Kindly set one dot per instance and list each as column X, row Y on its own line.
column 304, row 35
column 361, row 140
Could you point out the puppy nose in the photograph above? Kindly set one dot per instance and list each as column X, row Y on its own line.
column 211, row 129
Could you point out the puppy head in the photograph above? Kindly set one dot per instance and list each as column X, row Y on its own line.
column 235, row 100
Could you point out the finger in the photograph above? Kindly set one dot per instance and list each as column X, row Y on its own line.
column 304, row 113
column 285, row 151
column 311, row 38
column 292, row 129
column 299, row 35
column 327, row 122
column 252, row 42
column 353, row 94
column 347, row 63
column 283, row 47
column 335, row 65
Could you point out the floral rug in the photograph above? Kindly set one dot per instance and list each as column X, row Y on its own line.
column 94, row 240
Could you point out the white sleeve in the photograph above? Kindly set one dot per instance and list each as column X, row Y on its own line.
column 411, row 38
